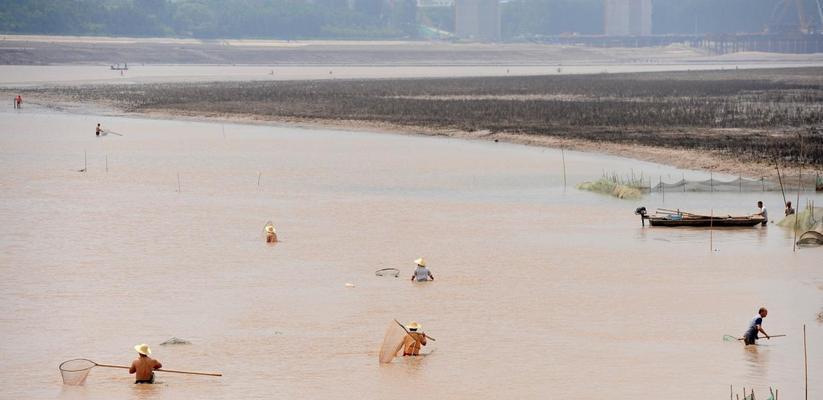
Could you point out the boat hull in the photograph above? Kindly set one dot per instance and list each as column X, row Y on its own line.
column 716, row 222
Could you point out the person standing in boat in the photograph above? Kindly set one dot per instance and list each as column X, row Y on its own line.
column 415, row 339
column 755, row 327
column 143, row 367
column 421, row 273
column 761, row 210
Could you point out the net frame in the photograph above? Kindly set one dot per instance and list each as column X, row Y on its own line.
column 388, row 272
column 392, row 342
column 75, row 371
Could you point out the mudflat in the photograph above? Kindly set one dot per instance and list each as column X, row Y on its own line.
column 741, row 122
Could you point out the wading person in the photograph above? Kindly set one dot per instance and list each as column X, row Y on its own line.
column 414, row 340
column 99, row 129
column 421, row 273
column 789, row 209
column 143, row 367
column 761, row 210
column 271, row 233
column 18, row 101
column 750, row 337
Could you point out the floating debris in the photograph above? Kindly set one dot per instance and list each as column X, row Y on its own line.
column 175, row 340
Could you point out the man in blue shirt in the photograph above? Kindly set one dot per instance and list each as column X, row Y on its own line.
column 750, row 337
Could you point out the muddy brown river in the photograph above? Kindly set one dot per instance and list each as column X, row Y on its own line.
column 541, row 291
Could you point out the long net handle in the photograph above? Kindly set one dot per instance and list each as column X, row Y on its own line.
column 759, row 337
column 409, row 333
column 190, row 372
column 166, row 370
column 110, row 366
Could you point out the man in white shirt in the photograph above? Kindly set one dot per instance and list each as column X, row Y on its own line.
column 761, row 210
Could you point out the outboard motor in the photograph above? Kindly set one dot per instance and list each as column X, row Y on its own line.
column 641, row 211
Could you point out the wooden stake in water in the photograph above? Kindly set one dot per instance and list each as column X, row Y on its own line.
column 258, row 180
column 799, row 186
column 563, row 157
column 805, row 363
column 711, row 233
column 178, row 182
column 85, row 162
column 662, row 191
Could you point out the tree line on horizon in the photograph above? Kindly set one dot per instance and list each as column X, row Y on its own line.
column 364, row 19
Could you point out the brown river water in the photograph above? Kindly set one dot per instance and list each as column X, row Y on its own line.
column 540, row 291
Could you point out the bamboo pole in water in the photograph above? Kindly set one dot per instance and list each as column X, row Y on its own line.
column 85, row 162
column 711, row 234
column 178, row 182
column 258, row 180
column 799, row 186
column 563, row 157
column 805, row 363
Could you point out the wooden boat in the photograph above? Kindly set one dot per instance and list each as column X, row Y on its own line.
column 678, row 218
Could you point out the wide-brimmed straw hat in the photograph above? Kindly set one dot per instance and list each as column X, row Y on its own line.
column 143, row 349
column 420, row 261
column 414, row 326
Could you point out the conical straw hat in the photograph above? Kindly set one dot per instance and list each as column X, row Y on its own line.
column 420, row 261
column 414, row 326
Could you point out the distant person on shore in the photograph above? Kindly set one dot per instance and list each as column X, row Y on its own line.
column 755, row 327
column 761, row 210
column 421, row 273
column 414, row 340
column 143, row 367
column 99, row 129
column 18, row 101
column 789, row 209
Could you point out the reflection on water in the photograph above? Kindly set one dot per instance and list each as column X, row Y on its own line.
column 539, row 289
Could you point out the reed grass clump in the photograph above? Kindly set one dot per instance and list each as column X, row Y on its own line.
column 630, row 188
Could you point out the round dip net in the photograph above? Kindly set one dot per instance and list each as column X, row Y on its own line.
column 392, row 342
column 75, row 371
column 393, row 272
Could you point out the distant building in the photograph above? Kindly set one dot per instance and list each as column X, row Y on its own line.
column 627, row 17
column 477, row 19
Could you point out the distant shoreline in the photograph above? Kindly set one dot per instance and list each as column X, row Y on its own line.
column 733, row 122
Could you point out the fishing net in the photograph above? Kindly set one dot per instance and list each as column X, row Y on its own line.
column 393, row 272
column 392, row 342
column 74, row 372
column 810, row 219
column 729, row 338
column 714, row 185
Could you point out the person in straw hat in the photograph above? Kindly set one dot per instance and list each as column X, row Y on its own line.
column 414, row 340
column 421, row 273
column 271, row 233
column 144, row 365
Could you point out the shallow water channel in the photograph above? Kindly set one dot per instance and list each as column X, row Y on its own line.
column 541, row 291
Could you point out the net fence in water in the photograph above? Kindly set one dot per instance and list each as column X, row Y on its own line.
column 715, row 185
column 74, row 372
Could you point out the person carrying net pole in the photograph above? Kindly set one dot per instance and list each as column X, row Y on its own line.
column 144, row 366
